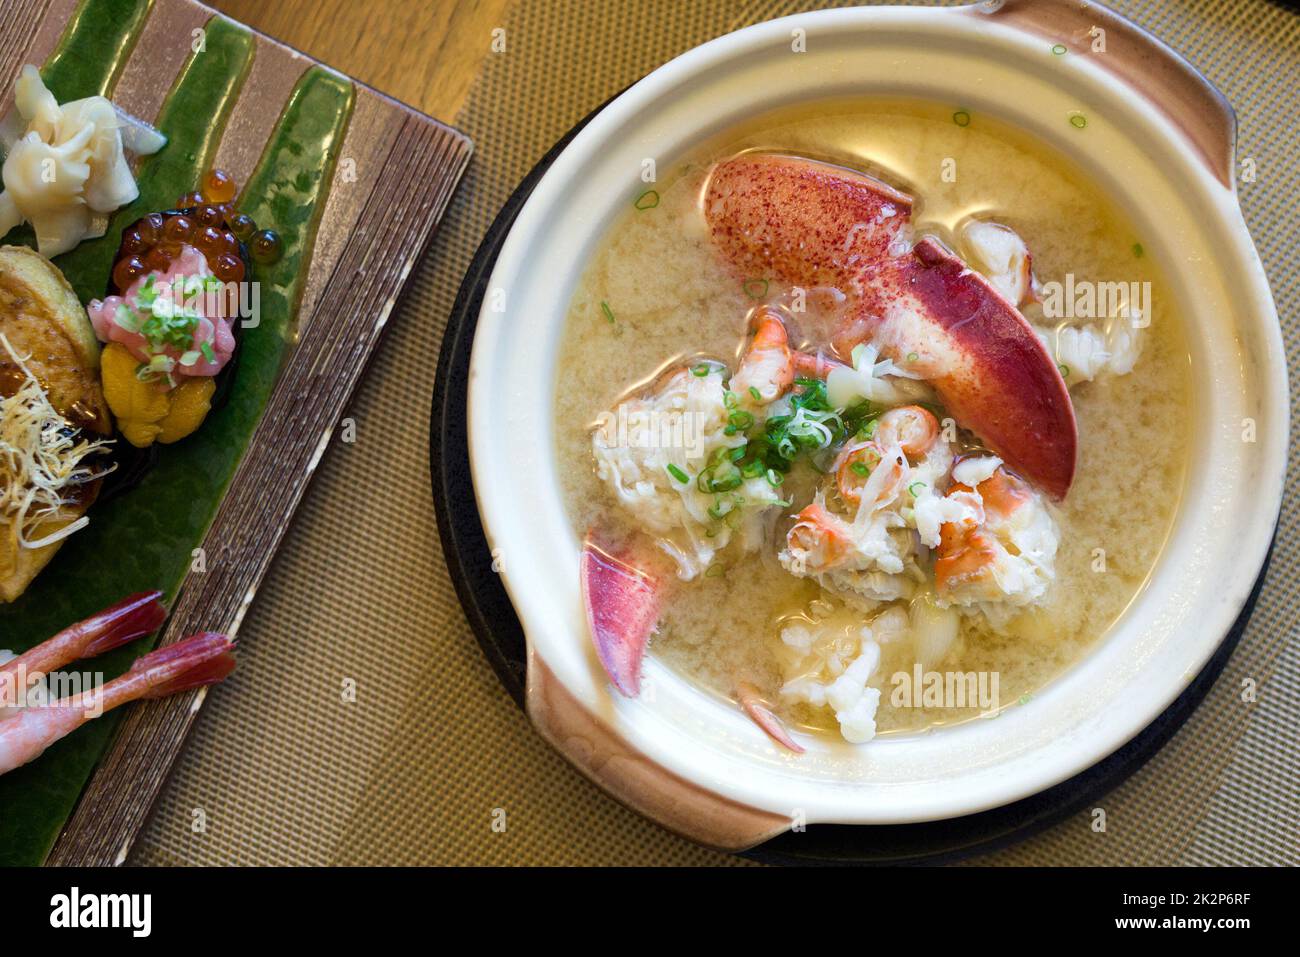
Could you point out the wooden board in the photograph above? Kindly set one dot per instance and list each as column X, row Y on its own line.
column 392, row 174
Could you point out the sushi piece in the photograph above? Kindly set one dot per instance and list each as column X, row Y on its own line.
column 54, row 421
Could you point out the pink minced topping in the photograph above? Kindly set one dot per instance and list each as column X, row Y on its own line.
column 213, row 329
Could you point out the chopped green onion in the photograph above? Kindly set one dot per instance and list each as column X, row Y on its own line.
column 961, row 118
column 1065, row 370
column 715, row 571
column 756, row 288
column 913, row 356
column 860, row 468
column 701, row 370
column 1078, row 121
column 1059, row 49
column 758, row 396
column 208, row 353
column 609, row 313
column 726, row 485
column 1137, row 250
column 127, row 318
column 647, row 200
column 678, row 474
column 774, row 478
column 916, row 488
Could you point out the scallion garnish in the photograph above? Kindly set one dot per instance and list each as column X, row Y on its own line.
column 726, row 484
column 678, row 474
column 740, row 419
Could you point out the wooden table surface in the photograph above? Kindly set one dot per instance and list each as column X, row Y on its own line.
column 425, row 53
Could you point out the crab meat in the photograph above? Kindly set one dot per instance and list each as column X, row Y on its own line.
column 808, row 223
column 1001, row 255
column 622, row 603
column 1005, row 556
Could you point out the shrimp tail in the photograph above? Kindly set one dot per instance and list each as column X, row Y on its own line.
column 130, row 618
column 201, row 659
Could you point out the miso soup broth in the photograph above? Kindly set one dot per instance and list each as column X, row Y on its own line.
column 1018, row 585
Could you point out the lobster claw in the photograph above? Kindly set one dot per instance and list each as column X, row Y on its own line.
column 807, row 223
column 992, row 372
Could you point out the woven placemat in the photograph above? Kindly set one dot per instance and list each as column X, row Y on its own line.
column 429, row 758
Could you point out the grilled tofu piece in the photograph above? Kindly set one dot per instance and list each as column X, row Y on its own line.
column 44, row 323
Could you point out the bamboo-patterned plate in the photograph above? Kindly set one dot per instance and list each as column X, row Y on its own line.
column 355, row 184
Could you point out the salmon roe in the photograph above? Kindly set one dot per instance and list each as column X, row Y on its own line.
column 218, row 186
column 205, row 219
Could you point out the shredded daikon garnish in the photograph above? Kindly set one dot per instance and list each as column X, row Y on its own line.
column 41, row 458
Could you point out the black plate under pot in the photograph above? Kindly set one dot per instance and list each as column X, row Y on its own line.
column 490, row 614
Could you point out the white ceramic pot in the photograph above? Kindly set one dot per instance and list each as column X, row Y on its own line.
column 1161, row 141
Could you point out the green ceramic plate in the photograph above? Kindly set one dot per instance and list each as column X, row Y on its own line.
column 145, row 538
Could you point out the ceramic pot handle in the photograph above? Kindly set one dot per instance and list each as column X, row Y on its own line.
column 1152, row 69
column 636, row 781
